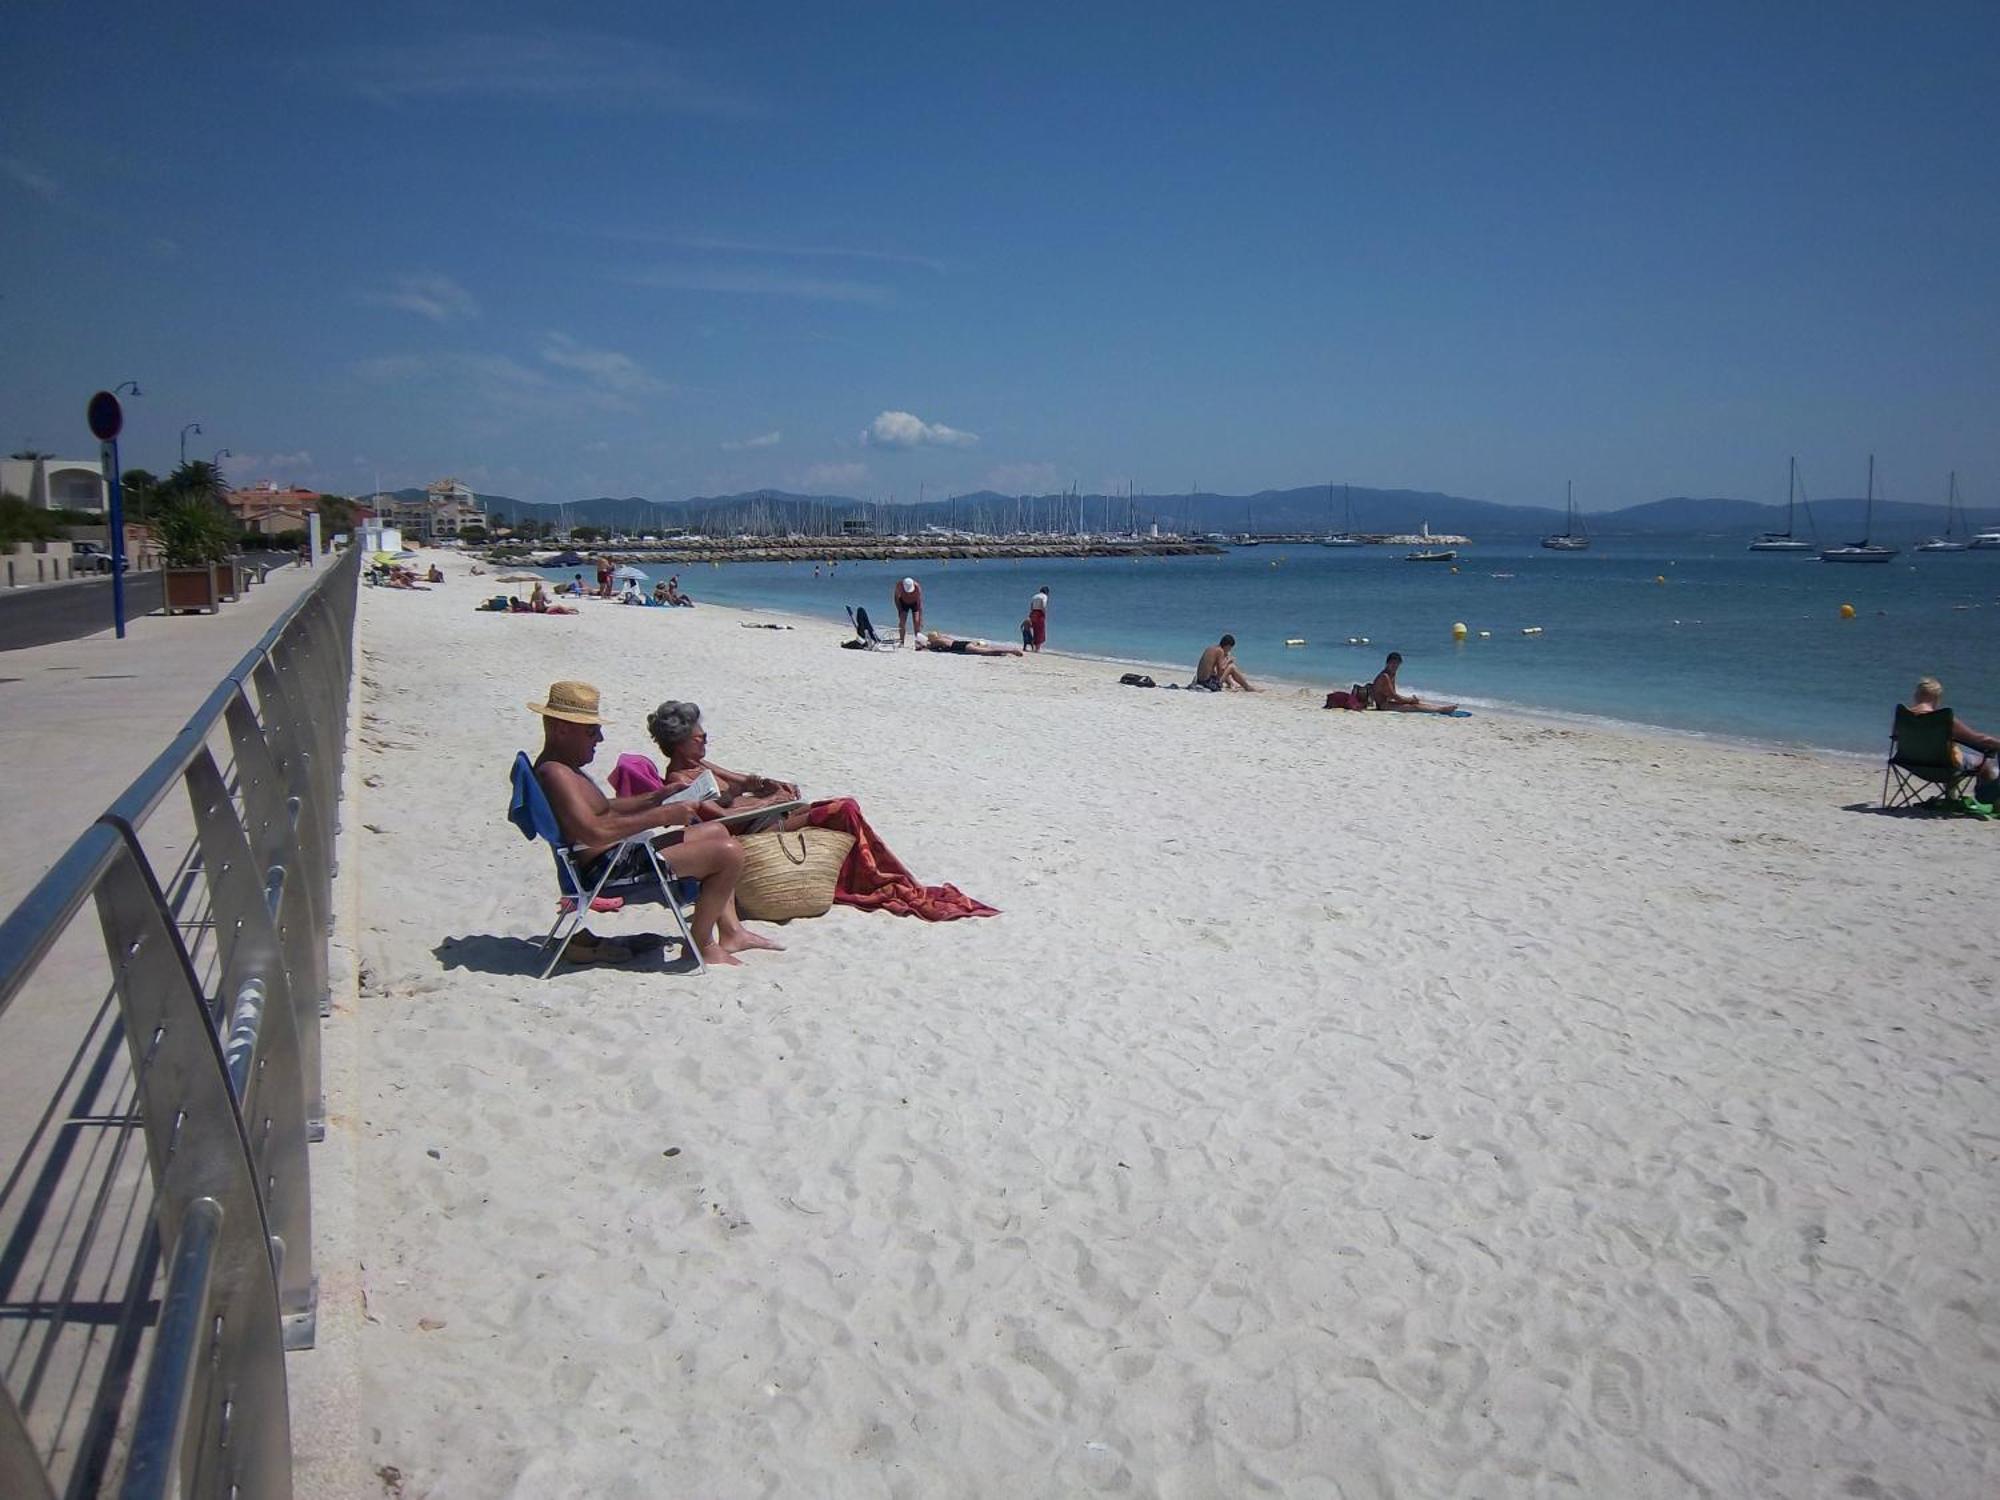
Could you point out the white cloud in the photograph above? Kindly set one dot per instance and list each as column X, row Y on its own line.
column 834, row 476
column 438, row 298
column 901, row 429
column 1025, row 479
column 539, row 67
column 35, row 181
column 762, row 440
column 605, row 368
column 749, row 281
column 279, row 466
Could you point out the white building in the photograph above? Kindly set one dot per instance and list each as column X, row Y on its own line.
column 55, row 483
column 448, row 507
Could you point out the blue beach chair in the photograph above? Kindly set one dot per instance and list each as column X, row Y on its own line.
column 630, row 871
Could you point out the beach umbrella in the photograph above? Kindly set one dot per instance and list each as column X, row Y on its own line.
column 520, row 578
column 630, row 574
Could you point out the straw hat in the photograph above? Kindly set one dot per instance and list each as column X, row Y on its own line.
column 575, row 701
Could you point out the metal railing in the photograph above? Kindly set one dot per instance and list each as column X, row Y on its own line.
column 204, row 1044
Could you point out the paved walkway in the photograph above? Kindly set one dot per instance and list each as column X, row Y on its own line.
column 79, row 719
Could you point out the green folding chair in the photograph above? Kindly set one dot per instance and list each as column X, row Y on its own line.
column 1920, row 758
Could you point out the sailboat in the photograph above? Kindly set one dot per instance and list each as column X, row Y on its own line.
column 1784, row 541
column 1863, row 551
column 1947, row 542
column 1344, row 537
column 1572, row 538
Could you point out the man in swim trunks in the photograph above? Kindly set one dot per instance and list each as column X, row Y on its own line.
column 1382, row 692
column 1217, row 669
column 1970, row 750
column 908, row 596
column 593, row 824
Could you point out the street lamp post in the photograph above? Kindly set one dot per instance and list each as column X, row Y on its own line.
column 191, row 427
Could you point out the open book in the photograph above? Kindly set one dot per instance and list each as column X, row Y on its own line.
column 701, row 789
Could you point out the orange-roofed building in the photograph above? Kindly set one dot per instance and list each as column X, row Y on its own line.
column 268, row 509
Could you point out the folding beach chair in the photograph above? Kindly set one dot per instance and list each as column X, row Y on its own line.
column 630, row 871
column 864, row 631
column 1920, row 757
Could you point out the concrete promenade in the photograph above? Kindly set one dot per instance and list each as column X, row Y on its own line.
column 79, row 719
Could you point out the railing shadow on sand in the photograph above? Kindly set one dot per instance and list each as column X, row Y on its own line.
column 147, row 1297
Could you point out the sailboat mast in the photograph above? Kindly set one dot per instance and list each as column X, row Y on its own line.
column 1791, row 491
column 1868, row 515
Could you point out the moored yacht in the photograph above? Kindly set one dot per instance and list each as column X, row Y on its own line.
column 1948, row 542
column 1863, row 551
column 1784, row 541
column 1573, row 537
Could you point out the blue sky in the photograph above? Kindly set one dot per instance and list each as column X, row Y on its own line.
column 672, row 250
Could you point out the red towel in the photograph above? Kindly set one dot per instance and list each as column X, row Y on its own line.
column 872, row 877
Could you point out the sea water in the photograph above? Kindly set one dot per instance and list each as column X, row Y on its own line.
column 1732, row 643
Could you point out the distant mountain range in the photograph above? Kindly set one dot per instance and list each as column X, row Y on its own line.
column 1309, row 509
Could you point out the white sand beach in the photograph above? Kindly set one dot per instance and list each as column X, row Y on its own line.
column 1343, row 1105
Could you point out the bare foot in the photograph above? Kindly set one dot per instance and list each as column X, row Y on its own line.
column 744, row 940
column 719, row 957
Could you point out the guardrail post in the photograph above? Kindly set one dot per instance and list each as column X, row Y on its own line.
column 260, row 1042
column 22, row 1476
column 276, row 825
column 282, row 696
column 212, row 1416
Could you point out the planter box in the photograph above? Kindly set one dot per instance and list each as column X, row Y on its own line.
column 190, row 588
column 227, row 583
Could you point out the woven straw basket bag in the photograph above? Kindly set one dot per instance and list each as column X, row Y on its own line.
column 788, row 875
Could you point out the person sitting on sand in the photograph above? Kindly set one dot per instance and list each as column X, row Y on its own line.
column 592, row 823
column 660, row 594
column 538, row 599
column 1970, row 750
column 674, row 595
column 1217, row 669
column 1382, row 693
column 871, row 876
column 959, row 645
column 676, row 728
column 908, row 597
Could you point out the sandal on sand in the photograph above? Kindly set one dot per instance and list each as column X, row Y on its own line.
column 589, row 948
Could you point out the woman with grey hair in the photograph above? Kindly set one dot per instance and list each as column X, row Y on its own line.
column 676, row 729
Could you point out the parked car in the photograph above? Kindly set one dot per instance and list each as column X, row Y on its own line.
column 91, row 558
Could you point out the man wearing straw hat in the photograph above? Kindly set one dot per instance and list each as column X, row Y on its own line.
column 572, row 728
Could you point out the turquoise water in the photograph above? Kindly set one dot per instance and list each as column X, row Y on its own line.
column 1733, row 643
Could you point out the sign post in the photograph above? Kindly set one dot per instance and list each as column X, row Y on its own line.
column 107, row 420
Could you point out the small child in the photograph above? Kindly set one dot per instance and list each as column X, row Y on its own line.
column 1028, row 634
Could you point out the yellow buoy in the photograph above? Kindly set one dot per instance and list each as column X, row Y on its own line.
column 1661, row 578
column 1458, row 630
column 1846, row 611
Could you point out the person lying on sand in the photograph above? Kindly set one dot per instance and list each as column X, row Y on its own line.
column 1382, row 693
column 1970, row 750
column 1217, row 669
column 959, row 645
column 571, row 732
